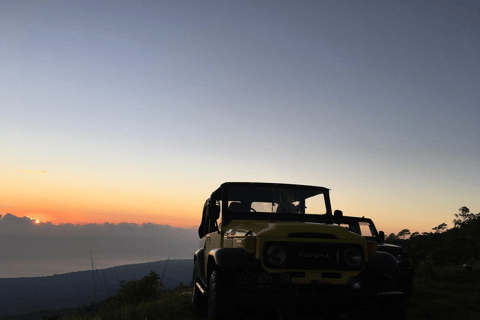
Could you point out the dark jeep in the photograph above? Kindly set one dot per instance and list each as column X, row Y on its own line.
column 366, row 228
column 267, row 247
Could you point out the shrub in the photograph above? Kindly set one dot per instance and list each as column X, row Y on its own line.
column 426, row 267
column 136, row 291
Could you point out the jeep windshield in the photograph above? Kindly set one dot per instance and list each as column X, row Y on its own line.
column 362, row 226
column 263, row 201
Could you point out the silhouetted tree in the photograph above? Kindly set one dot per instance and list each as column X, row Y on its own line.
column 441, row 227
column 464, row 217
column 391, row 237
column 416, row 233
column 403, row 233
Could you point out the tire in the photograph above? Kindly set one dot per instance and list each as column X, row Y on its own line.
column 393, row 312
column 219, row 304
column 408, row 289
column 393, row 308
column 199, row 301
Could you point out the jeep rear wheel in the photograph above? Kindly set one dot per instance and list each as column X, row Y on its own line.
column 219, row 306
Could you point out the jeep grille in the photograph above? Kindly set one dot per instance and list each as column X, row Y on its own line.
column 312, row 256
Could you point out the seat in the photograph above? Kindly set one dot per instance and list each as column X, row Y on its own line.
column 287, row 208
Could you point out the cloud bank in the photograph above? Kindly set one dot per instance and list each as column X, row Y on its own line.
column 39, row 249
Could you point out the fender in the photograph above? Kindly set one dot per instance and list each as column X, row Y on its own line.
column 199, row 259
column 233, row 257
column 383, row 261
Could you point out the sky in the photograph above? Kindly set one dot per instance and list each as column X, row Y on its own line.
column 135, row 111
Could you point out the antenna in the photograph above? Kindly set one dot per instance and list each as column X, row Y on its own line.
column 93, row 275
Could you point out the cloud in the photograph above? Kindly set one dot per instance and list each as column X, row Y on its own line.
column 29, row 171
column 13, row 222
column 26, row 243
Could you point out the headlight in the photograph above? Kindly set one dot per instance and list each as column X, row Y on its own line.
column 352, row 257
column 276, row 255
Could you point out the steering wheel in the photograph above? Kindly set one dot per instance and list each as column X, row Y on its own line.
column 253, row 210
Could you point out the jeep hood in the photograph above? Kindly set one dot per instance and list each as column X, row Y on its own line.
column 284, row 229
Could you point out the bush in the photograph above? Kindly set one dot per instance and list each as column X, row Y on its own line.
column 137, row 291
column 426, row 267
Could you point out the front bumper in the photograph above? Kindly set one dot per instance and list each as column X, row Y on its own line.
column 298, row 283
column 319, row 299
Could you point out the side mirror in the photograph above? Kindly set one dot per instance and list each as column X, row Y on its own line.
column 381, row 237
column 337, row 216
column 213, row 212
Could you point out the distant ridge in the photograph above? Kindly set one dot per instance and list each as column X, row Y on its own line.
column 69, row 290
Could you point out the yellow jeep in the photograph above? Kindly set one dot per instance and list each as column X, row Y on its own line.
column 279, row 249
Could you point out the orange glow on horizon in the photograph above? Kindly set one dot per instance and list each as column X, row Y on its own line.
column 72, row 217
column 52, row 199
column 57, row 203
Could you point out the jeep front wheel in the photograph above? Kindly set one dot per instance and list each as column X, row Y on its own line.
column 218, row 297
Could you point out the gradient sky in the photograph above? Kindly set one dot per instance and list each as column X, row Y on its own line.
column 135, row 111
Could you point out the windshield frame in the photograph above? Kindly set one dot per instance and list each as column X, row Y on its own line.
column 228, row 215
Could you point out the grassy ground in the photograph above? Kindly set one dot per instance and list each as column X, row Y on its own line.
column 439, row 293
column 445, row 293
column 170, row 305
